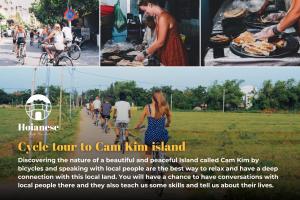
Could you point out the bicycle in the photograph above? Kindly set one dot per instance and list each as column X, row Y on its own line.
column 122, row 136
column 105, row 125
column 60, row 59
column 21, row 53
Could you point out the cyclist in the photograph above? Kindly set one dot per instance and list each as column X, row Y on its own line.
column 97, row 107
column 31, row 37
column 20, row 38
column 67, row 34
column 122, row 114
column 58, row 42
column 14, row 31
column 87, row 105
column 92, row 108
column 159, row 117
column 105, row 112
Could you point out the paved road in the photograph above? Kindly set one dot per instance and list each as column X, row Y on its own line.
column 89, row 57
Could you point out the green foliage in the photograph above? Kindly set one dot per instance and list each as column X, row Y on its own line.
column 52, row 11
column 283, row 95
column 2, row 16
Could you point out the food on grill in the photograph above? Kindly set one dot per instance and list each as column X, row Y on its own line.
column 238, row 12
column 244, row 38
column 259, row 48
column 129, row 63
column 219, row 38
column 110, row 50
column 133, row 53
column 114, row 57
column 280, row 43
column 107, row 63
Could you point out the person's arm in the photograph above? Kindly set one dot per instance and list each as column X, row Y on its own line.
column 163, row 27
column 264, row 7
column 50, row 36
column 142, row 118
column 291, row 18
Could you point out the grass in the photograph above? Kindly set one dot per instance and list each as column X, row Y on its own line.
column 10, row 137
column 273, row 138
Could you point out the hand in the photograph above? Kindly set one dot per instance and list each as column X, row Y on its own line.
column 137, row 126
column 140, row 57
column 265, row 33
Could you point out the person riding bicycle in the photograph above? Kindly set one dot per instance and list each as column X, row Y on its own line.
column 92, row 108
column 159, row 117
column 97, row 107
column 20, row 38
column 122, row 114
column 14, row 36
column 67, row 34
column 31, row 36
column 58, row 42
column 105, row 112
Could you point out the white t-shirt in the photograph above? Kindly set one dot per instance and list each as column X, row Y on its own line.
column 97, row 104
column 68, row 33
column 122, row 108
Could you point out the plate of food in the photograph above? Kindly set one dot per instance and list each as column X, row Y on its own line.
column 246, row 45
column 235, row 13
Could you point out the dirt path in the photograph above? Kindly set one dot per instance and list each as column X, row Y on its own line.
column 90, row 134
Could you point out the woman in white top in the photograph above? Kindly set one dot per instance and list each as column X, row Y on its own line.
column 20, row 38
column 57, row 37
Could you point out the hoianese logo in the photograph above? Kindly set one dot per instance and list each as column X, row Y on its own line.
column 38, row 107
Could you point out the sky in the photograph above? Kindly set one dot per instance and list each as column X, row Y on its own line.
column 20, row 78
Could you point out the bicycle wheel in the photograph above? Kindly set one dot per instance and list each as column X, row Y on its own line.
column 64, row 61
column 74, row 52
column 122, row 141
column 44, row 59
column 22, row 57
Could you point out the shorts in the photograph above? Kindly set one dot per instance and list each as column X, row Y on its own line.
column 21, row 40
column 14, row 41
column 105, row 116
column 118, row 124
column 96, row 111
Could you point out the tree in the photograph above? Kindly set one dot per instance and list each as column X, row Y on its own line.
column 52, row 11
column 233, row 95
column 4, row 97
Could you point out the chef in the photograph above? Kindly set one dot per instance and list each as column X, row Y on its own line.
column 292, row 18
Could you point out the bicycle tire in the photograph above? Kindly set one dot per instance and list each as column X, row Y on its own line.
column 74, row 49
column 22, row 58
column 64, row 61
column 43, row 59
column 122, row 142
